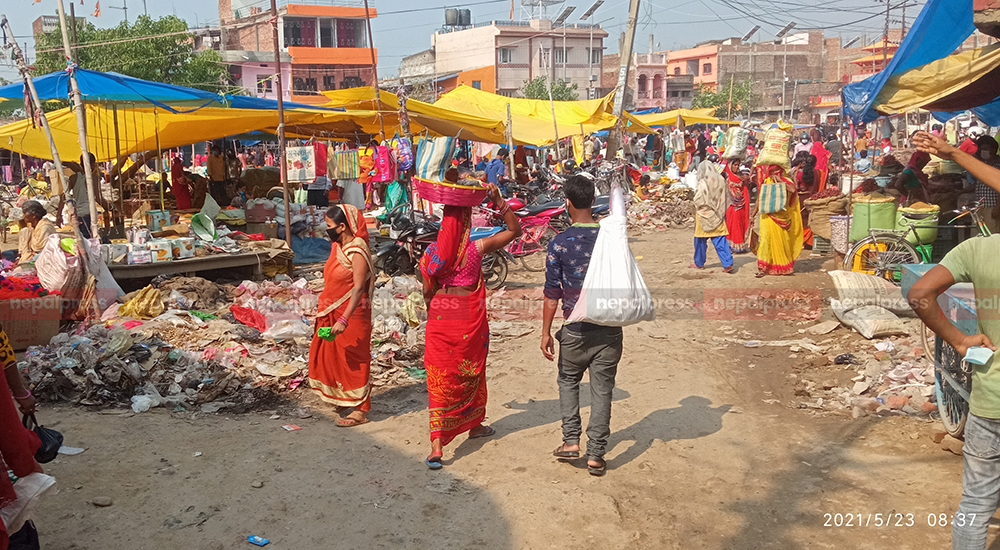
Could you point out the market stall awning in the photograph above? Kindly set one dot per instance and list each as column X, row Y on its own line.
column 961, row 81
column 112, row 87
column 939, row 30
column 531, row 119
column 424, row 117
column 704, row 115
column 138, row 129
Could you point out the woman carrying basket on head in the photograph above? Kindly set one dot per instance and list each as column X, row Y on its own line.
column 458, row 336
column 340, row 356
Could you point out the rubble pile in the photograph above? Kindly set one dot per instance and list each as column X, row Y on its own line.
column 673, row 208
column 217, row 346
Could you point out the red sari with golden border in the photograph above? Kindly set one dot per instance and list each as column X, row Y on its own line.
column 340, row 370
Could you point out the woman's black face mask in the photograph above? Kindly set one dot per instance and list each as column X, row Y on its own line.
column 333, row 234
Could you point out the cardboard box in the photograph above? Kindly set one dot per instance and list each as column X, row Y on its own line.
column 140, row 257
column 160, row 250
column 182, row 247
column 31, row 321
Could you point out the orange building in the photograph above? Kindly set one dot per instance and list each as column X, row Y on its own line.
column 322, row 47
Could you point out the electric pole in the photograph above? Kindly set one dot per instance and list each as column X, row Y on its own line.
column 625, row 61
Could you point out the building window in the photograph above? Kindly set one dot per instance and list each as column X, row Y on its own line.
column 507, row 93
column 264, row 86
column 561, row 55
column 707, row 69
column 596, row 55
column 677, row 71
column 300, row 32
column 686, row 93
column 351, row 33
column 675, row 93
column 330, row 82
column 505, row 55
column 477, row 84
column 327, row 33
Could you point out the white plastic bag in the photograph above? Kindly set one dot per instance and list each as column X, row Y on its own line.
column 52, row 264
column 614, row 293
column 869, row 321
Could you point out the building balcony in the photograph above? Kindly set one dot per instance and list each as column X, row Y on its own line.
column 302, row 55
column 642, row 94
column 657, row 94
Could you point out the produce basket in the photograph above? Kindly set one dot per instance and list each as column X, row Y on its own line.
column 465, row 193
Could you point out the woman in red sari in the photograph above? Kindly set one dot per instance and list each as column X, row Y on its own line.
column 822, row 155
column 340, row 367
column 738, row 211
column 458, row 336
column 17, row 444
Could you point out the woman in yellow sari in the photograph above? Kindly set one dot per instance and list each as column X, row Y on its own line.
column 781, row 233
column 340, row 355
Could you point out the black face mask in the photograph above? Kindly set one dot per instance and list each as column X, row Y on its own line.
column 333, row 234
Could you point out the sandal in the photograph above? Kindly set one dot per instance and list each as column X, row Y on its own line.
column 728, row 269
column 488, row 431
column 561, row 453
column 598, row 470
column 695, row 266
column 434, row 462
column 348, row 422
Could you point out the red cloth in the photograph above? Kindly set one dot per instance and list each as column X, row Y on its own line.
column 822, row 163
column 457, row 343
column 17, row 444
column 319, row 152
column 249, row 317
column 969, row 146
column 738, row 212
column 442, row 256
column 340, row 370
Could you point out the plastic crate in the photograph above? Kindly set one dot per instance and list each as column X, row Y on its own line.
column 821, row 245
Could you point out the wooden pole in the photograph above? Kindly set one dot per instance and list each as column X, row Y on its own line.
column 118, row 160
column 552, row 105
column 371, row 49
column 81, row 122
column 282, row 161
column 402, row 94
column 729, row 107
column 22, row 67
column 510, row 143
column 625, row 57
column 159, row 160
column 72, row 17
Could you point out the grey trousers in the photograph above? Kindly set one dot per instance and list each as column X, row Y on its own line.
column 597, row 349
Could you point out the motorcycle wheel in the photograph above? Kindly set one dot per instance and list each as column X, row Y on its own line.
column 494, row 270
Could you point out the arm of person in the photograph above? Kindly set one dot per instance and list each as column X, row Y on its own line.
column 548, row 314
column 18, row 389
column 934, row 145
column 513, row 231
column 359, row 268
column 923, row 299
column 553, row 293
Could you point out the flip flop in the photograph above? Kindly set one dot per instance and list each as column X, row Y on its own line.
column 559, row 452
column 350, row 422
column 434, row 464
column 599, row 470
column 695, row 266
column 487, row 432
column 727, row 269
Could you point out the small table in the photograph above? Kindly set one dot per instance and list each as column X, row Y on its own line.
column 189, row 266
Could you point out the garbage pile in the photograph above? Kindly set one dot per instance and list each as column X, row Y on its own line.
column 190, row 344
column 674, row 207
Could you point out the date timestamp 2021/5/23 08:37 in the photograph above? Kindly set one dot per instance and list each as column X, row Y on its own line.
column 897, row 519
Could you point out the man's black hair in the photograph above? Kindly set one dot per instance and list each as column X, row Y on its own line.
column 580, row 192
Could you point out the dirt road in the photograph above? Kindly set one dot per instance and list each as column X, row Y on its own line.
column 707, row 451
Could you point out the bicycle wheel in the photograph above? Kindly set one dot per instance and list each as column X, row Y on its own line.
column 494, row 270
column 882, row 256
column 536, row 247
column 952, row 405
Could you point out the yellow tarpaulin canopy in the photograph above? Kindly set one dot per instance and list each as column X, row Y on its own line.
column 424, row 117
column 691, row 116
column 531, row 119
column 138, row 129
column 957, row 82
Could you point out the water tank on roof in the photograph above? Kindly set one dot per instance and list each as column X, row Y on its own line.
column 465, row 18
column 451, row 17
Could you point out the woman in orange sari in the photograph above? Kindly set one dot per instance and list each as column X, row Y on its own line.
column 340, row 363
column 17, row 444
column 822, row 155
column 458, row 336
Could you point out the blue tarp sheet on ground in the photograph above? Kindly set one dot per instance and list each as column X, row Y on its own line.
column 940, row 28
column 310, row 250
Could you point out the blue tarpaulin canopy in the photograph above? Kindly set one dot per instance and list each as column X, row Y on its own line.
column 113, row 87
column 941, row 27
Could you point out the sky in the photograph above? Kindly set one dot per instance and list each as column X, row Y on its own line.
column 404, row 27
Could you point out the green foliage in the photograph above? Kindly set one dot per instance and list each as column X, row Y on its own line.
column 743, row 99
column 537, row 89
column 170, row 59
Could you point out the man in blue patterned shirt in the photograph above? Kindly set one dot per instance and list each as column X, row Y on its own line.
column 582, row 346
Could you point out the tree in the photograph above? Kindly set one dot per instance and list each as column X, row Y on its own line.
column 743, row 99
column 168, row 55
column 537, row 88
